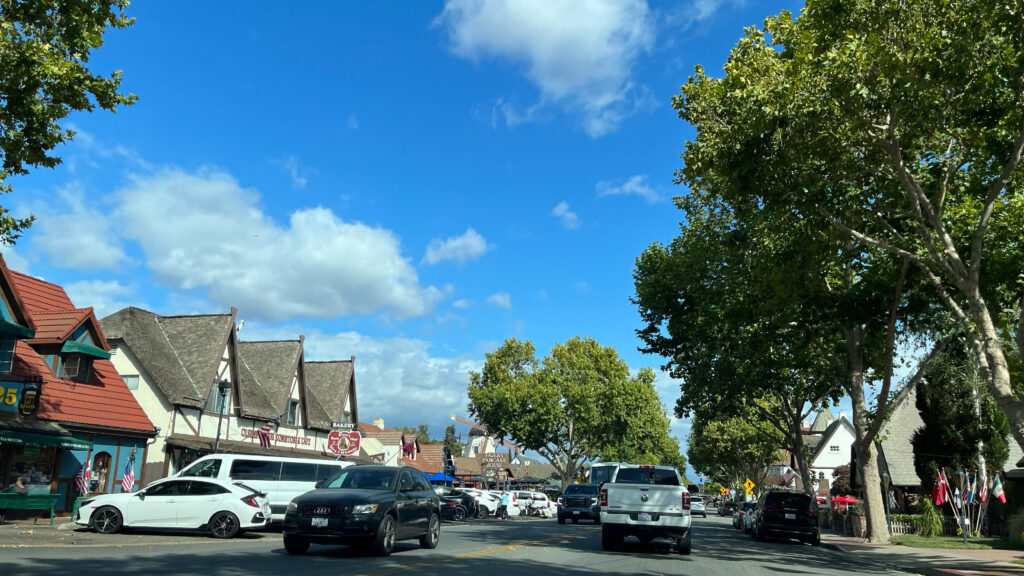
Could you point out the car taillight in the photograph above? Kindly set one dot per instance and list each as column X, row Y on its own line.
column 686, row 500
column 602, row 500
column 251, row 501
column 770, row 508
column 812, row 512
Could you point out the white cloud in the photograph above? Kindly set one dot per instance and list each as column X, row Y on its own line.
column 462, row 303
column 569, row 218
column 74, row 232
column 635, row 186
column 469, row 246
column 294, row 171
column 500, row 300
column 579, row 53
column 205, row 231
column 104, row 297
column 398, row 379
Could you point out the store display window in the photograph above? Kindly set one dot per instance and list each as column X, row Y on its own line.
column 36, row 463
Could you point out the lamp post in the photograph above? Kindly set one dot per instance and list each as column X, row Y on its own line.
column 222, row 389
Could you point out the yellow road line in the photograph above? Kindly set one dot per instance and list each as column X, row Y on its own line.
column 474, row 554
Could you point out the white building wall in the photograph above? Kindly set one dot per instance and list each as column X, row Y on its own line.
column 154, row 404
column 828, row 460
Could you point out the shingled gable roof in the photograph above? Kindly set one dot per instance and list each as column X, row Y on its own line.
column 386, row 436
column 328, row 385
column 826, row 436
column 896, row 447
column 180, row 353
column 104, row 401
column 55, row 327
column 430, row 459
column 269, row 367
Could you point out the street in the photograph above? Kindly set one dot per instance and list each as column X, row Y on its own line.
column 524, row 547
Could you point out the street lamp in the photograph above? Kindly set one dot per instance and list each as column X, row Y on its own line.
column 222, row 389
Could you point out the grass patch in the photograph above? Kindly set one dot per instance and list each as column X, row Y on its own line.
column 955, row 542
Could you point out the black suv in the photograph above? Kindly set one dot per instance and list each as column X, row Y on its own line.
column 579, row 501
column 786, row 514
column 365, row 505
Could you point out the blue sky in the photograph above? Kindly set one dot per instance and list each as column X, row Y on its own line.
column 406, row 182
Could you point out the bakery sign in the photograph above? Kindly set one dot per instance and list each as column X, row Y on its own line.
column 343, row 443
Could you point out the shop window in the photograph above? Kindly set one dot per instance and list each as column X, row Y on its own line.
column 35, row 464
column 75, row 367
column 291, row 417
column 7, row 345
column 100, row 470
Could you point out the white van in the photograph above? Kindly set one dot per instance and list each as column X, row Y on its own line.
column 280, row 477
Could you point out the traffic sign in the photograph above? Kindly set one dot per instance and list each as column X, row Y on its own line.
column 749, row 485
column 723, row 490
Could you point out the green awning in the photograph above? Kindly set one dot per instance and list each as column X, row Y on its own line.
column 7, row 327
column 83, row 348
column 68, row 442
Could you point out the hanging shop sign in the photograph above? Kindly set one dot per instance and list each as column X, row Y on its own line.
column 29, row 402
column 343, row 443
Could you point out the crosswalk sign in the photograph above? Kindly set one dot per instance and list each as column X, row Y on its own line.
column 749, row 485
column 723, row 490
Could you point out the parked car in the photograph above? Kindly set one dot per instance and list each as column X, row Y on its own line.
column 279, row 477
column 486, row 503
column 179, row 503
column 579, row 501
column 359, row 505
column 465, row 505
column 515, row 507
column 539, row 504
column 727, row 509
column 698, row 507
column 786, row 514
column 744, row 509
column 748, row 519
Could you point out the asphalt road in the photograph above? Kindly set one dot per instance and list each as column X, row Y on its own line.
column 522, row 547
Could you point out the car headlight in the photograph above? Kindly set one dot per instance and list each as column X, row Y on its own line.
column 593, row 501
column 365, row 508
column 292, row 506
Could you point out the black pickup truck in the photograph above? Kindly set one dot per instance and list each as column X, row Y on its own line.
column 579, row 501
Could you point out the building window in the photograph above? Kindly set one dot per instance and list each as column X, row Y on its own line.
column 132, row 382
column 476, row 450
column 75, row 367
column 7, row 345
column 220, row 402
column 821, row 475
column 833, row 448
column 291, row 416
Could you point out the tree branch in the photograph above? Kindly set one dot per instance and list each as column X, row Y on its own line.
column 890, row 353
column 872, row 241
column 986, row 213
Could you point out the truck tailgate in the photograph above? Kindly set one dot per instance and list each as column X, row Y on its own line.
column 644, row 498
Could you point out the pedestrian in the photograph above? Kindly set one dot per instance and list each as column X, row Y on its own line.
column 502, row 513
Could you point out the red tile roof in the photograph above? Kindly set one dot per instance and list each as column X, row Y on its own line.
column 429, row 460
column 57, row 326
column 105, row 400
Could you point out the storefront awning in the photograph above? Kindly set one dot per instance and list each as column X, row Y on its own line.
column 83, row 348
column 19, row 437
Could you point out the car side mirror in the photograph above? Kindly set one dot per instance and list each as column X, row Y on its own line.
column 141, row 495
column 320, row 483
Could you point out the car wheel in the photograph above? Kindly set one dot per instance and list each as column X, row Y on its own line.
column 429, row 540
column 107, row 520
column 561, row 519
column 385, row 537
column 759, row 534
column 224, row 525
column 481, row 513
column 460, row 513
column 684, row 545
column 815, row 541
column 609, row 538
column 295, row 546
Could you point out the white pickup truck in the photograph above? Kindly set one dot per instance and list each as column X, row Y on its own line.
column 646, row 502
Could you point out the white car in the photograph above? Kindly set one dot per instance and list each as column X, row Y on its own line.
column 487, row 504
column 179, row 503
column 698, row 506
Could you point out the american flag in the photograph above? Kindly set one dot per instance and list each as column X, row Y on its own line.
column 128, row 480
column 268, row 429
column 82, row 480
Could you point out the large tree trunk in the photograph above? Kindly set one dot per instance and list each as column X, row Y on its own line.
column 796, row 440
column 866, row 452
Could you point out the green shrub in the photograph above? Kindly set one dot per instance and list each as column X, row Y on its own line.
column 930, row 520
column 1015, row 529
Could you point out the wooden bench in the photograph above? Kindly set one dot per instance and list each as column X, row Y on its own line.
column 9, row 501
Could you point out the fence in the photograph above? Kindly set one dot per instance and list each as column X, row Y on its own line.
column 856, row 526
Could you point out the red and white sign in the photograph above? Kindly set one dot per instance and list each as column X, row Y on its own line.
column 343, row 443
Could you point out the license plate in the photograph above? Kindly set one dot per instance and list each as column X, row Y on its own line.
column 575, row 512
column 318, row 523
column 643, row 517
column 790, row 516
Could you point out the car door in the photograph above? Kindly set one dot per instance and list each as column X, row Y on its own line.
column 426, row 499
column 197, row 506
column 156, row 506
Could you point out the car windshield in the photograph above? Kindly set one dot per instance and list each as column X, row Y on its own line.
column 584, row 489
column 364, row 479
column 661, row 476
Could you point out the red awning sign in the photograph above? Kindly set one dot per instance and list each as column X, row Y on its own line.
column 343, row 443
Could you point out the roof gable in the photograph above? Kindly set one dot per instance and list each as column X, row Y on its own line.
column 270, row 367
column 328, row 387
column 832, row 430
column 897, row 432
column 13, row 310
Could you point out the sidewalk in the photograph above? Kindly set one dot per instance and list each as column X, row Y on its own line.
column 931, row 561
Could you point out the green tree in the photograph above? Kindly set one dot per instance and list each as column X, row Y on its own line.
column 576, row 405
column 421, row 432
column 44, row 53
column 840, row 485
column 954, row 426
column 730, row 450
column 451, row 440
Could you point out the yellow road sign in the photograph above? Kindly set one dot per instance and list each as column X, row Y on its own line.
column 749, row 485
column 750, row 492
column 723, row 490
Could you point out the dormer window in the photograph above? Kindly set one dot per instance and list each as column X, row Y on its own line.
column 7, row 345
column 291, row 415
column 75, row 367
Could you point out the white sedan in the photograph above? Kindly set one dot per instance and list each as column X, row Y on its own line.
column 179, row 503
